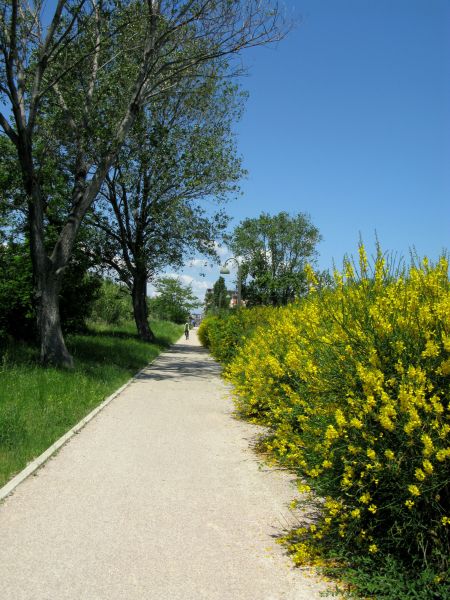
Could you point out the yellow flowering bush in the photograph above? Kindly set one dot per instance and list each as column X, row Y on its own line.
column 354, row 383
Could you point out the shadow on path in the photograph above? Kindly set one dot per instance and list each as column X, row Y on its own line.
column 183, row 360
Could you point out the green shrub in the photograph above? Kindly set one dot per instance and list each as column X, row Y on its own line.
column 112, row 304
column 17, row 315
column 223, row 334
column 203, row 332
column 17, row 306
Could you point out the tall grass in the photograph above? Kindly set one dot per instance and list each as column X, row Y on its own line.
column 38, row 405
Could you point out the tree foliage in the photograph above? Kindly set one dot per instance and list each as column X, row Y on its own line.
column 150, row 213
column 220, row 294
column 112, row 305
column 81, row 74
column 174, row 302
column 17, row 299
column 220, row 298
column 273, row 251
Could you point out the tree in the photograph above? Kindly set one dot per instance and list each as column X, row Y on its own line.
column 17, row 302
column 174, row 301
column 94, row 66
column 218, row 298
column 221, row 297
column 112, row 305
column 274, row 251
column 149, row 212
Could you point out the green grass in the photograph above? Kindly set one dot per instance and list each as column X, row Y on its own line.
column 38, row 405
column 385, row 578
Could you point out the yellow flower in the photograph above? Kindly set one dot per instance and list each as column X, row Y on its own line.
column 304, row 488
column 314, row 473
column 311, row 277
column 389, row 454
column 414, row 490
column 372, row 508
column 365, row 498
column 428, row 467
column 373, row 548
column 356, row 423
column 444, row 367
column 362, row 260
column 340, row 419
column 349, row 271
column 431, row 349
column 399, row 346
column 445, row 521
column 419, row 474
column 371, row 453
column 442, row 454
column 427, row 444
column 409, row 504
column 331, row 433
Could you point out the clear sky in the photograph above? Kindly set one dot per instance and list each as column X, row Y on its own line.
column 348, row 119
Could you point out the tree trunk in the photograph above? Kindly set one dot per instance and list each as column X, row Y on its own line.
column 53, row 347
column 140, row 311
column 46, row 278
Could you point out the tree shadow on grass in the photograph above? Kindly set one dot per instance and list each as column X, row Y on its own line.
column 161, row 341
column 123, row 351
column 120, row 334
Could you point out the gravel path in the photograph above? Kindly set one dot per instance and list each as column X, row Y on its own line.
column 157, row 498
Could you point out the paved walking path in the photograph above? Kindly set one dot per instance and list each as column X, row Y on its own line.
column 157, row 498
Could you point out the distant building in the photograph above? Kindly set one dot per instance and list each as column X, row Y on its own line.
column 233, row 300
column 231, row 295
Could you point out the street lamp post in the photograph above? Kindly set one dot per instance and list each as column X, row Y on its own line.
column 225, row 271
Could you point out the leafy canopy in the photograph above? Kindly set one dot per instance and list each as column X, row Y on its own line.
column 274, row 250
column 174, row 302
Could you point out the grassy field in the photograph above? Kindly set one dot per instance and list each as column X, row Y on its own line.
column 38, row 405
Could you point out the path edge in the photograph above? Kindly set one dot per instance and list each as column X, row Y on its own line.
column 37, row 462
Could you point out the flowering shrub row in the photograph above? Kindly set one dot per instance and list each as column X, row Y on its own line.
column 224, row 335
column 353, row 382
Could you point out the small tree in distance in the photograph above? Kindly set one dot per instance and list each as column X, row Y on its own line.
column 174, row 301
column 274, row 251
column 218, row 298
column 220, row 294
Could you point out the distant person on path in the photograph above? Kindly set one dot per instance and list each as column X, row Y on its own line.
column 186, row 330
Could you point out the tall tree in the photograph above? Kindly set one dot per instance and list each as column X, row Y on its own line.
column 220, row 295
column 97, row 64
column 150, row 210
column 274, row 251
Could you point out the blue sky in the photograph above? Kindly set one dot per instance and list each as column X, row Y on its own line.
column 348, row 119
